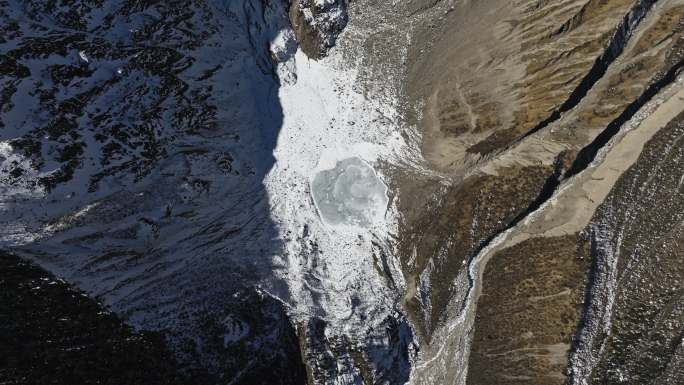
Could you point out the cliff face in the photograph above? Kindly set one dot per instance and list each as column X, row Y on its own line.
column 161, row 156
column 317, row 23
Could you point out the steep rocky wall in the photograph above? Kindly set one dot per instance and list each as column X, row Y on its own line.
column 317, row 23
column 143, row 131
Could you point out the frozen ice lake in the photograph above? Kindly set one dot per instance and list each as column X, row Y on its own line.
column 350, row 194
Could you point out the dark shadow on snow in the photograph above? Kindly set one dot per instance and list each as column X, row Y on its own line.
column 155, row 122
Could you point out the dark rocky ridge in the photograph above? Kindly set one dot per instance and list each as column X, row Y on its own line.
column 317, row 25
column 528, row 312
column 614, row 49
column 51, row 333
column 587, row 154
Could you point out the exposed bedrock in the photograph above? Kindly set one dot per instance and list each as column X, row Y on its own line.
column 317, row 23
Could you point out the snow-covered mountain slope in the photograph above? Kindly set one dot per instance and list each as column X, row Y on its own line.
column 136, row 137
column 350, row 192
column 159, row 155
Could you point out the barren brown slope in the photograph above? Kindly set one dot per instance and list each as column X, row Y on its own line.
column 528, row 311
column 637, row 238
column 534, row 297
column 613, row 98
column 636, row 54
column 492, row 71
column 636, row 266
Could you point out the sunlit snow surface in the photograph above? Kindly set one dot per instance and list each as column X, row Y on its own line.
column 328, row 198
column 349, row 194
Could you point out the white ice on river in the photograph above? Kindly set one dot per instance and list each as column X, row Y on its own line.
column 349, row 194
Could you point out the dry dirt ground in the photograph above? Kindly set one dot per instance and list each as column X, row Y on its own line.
column 531, row 116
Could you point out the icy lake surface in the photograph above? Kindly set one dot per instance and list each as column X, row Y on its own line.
column 349, row 194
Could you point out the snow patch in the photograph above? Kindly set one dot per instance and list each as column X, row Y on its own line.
column 19, row 181
column 83, row 56
column 333, row 133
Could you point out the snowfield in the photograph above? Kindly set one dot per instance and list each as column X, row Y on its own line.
column 331, row 130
